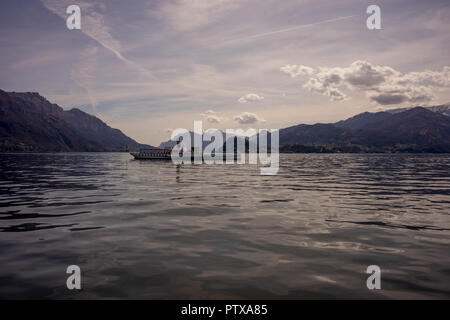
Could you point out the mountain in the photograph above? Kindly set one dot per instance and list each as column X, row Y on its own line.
column 29, row 122
column 362, row 120
column 92, row 128
column 320, row 133
column 401, row 130
column 171, row 144
column 411, row 130
column 417, row 126
column 442, row 109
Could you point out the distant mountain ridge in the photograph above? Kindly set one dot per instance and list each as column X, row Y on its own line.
column 410, row 130
column 362, row 120
column 415, row 129
column 29, row 122
column 442, row 109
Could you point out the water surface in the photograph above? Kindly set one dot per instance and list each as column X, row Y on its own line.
column 145, row 229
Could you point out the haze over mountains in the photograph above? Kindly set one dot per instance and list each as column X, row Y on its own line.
column 30, row 123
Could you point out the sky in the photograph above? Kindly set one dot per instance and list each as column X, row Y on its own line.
column 148, row 67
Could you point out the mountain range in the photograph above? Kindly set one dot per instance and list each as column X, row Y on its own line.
column 410, row 130
column 415, row 129
column 30, row 123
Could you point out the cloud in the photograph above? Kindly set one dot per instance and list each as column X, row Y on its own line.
column 381, row 84
column 93, row 25
column 364, row 75
column 297, row 27
column 398, row 94
column 297, row 70
column 250, row 97
column 324, row 86
column 247, row 118
column 388, row 98
column 83, row 74
column 212, row 117
column 187, row 15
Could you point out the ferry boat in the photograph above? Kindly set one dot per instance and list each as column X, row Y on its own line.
column 152, row 153
column 165, row 154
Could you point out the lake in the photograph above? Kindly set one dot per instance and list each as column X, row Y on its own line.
column 154, row 230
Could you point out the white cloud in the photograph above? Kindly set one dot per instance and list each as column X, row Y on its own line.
column 247, row 118
column 297, row 70
column 250, row 97
column 324, row 86
column 381, row 84
column 212, row 117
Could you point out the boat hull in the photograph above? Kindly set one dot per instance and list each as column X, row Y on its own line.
column 167, row 156
column 143, row 156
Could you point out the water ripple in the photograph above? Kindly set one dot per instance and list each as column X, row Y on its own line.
column 143, row 229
